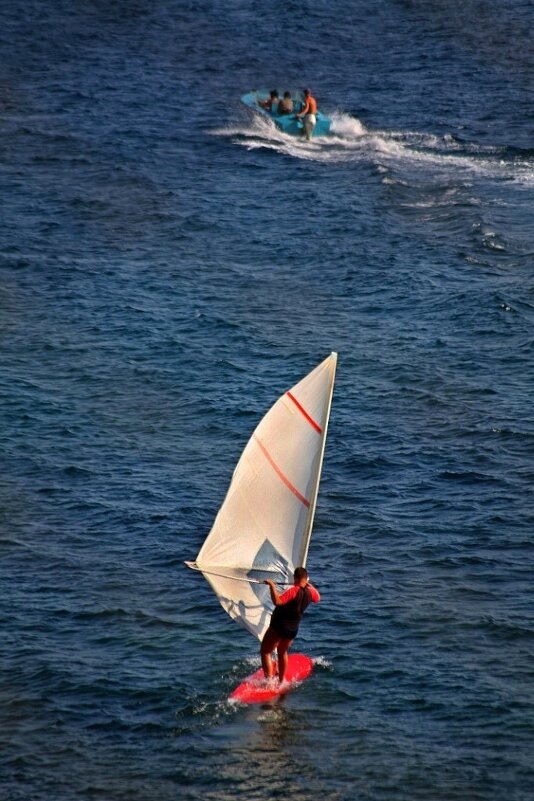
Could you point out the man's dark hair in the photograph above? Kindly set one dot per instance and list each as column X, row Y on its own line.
column 300, row 573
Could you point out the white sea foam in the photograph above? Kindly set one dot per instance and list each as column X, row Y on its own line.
column 347, row 127
column 322, row 662
column 351, row 141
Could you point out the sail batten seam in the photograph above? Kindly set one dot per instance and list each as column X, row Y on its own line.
column 303, row 411
column 281, row 475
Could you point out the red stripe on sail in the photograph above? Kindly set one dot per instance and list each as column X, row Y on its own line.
column 279, row 473
column 303, row 411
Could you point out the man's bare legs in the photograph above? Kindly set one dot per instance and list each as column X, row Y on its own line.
column 268, row 644
column 283, row 647
column 272, row 640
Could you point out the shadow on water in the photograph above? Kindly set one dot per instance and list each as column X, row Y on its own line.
column 265, row 747
column 246, row 751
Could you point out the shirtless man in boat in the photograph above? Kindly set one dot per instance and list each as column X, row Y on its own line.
column 285, row 619
column 285, row 106
column 271, row 104
column 308, row 113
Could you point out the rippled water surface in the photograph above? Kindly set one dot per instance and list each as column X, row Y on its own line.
column 169, row 265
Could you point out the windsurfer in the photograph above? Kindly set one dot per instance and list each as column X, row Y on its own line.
column 285, row 619
column 309, row 113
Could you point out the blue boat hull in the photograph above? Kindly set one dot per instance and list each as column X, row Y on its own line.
column 287, row 123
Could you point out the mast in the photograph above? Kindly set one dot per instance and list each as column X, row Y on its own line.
column 313, row 504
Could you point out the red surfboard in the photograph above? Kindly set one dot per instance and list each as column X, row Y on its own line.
column 256, row 689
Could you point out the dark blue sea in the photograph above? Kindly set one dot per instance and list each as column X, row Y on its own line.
column 169, row 265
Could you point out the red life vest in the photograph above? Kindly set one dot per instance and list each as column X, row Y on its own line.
column 288, row 615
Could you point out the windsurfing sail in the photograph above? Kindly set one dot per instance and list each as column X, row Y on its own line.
column 264, row 526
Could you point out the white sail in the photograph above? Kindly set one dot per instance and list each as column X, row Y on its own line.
column 264, row 526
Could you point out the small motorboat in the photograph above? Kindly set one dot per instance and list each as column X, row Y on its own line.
column 288, row 123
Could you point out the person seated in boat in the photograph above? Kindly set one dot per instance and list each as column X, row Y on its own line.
column 271, row 104
column 285, row 106
column 308, row 114
column 285, row 619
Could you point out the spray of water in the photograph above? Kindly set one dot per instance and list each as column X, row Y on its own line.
column 389, row 151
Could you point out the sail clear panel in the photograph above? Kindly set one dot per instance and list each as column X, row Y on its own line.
column 264, row 525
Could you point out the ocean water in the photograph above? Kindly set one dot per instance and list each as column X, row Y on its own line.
column 169, row 265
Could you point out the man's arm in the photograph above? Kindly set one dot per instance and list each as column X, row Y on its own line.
column 304, row 109
column 315, row 596
column 275, row 598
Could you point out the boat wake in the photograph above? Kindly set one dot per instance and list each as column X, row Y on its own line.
column 389, row 151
